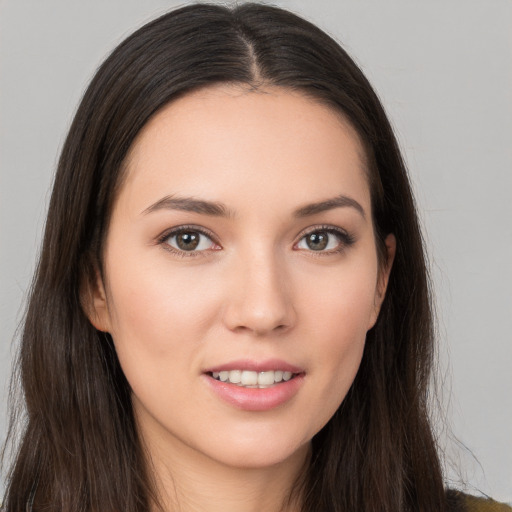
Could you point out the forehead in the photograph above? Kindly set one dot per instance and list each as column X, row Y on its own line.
column 258, row 140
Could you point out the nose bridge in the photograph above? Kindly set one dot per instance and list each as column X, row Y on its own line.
column 260, row 300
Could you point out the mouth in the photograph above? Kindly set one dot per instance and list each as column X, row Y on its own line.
column 255, row 389
column 255, row 385
column 252, row 379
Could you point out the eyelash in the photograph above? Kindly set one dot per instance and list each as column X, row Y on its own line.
column 162, row 240
column 345, row 239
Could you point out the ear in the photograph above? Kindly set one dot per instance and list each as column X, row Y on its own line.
column 383, row 278
column 94, row 301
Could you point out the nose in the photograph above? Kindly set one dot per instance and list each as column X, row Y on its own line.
column 259, row 298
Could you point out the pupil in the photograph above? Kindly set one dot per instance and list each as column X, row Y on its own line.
column 317, row 241
column 187, row 241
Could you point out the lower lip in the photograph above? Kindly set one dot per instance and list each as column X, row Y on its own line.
column 255, row 399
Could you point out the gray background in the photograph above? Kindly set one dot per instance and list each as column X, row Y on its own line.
column 443, row 70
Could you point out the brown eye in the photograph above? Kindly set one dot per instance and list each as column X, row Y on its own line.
column 317, row 241
column 190, row 241
column 328, row 240
column 187, row 241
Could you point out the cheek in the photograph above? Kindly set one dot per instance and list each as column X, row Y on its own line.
column 160, row 321
column 340, row 337
column 344, row 299
column 339, row 314
column 155, row 312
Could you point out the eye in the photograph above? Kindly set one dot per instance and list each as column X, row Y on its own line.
column 188, row 240
column 330, row 240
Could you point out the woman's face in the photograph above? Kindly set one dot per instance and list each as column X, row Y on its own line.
column 241, row 248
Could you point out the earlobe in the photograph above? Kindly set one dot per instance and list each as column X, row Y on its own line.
column 94, row 302
column 383, row 279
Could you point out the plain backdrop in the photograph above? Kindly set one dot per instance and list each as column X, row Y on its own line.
column 443, row 69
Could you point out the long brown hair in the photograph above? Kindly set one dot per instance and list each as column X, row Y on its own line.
column 78, row 448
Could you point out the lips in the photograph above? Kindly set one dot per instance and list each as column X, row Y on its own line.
column 256, row 366
column 255, row 386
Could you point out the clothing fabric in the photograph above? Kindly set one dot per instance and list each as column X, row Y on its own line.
column 474, row 504
column 460, row 502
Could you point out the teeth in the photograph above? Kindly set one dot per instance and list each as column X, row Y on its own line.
column 249, row 378
column 266, row 378
column 235, row 376
column 252, row 379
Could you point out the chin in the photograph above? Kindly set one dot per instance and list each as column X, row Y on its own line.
column 259, row 452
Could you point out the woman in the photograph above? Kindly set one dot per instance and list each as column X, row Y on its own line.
column 231, row 306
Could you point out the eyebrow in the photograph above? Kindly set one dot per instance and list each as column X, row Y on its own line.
column 189, row 204
column 340, row 201
column 217, row 209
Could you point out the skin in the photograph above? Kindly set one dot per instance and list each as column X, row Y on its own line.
column 254, row 289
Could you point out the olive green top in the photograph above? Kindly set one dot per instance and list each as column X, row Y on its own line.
column 474, row 504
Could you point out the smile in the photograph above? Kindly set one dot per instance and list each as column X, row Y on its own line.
column 255, row 385
column 252, row 379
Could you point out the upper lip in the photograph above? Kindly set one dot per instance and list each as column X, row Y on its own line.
column 255, row 366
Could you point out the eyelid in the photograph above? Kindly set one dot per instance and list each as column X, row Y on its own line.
column 346, row 239
column 161, row 239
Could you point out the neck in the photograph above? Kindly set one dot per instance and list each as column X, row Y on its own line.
column 186, row 481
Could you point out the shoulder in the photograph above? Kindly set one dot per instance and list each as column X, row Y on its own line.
column 474, row 504
column 466, row 503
